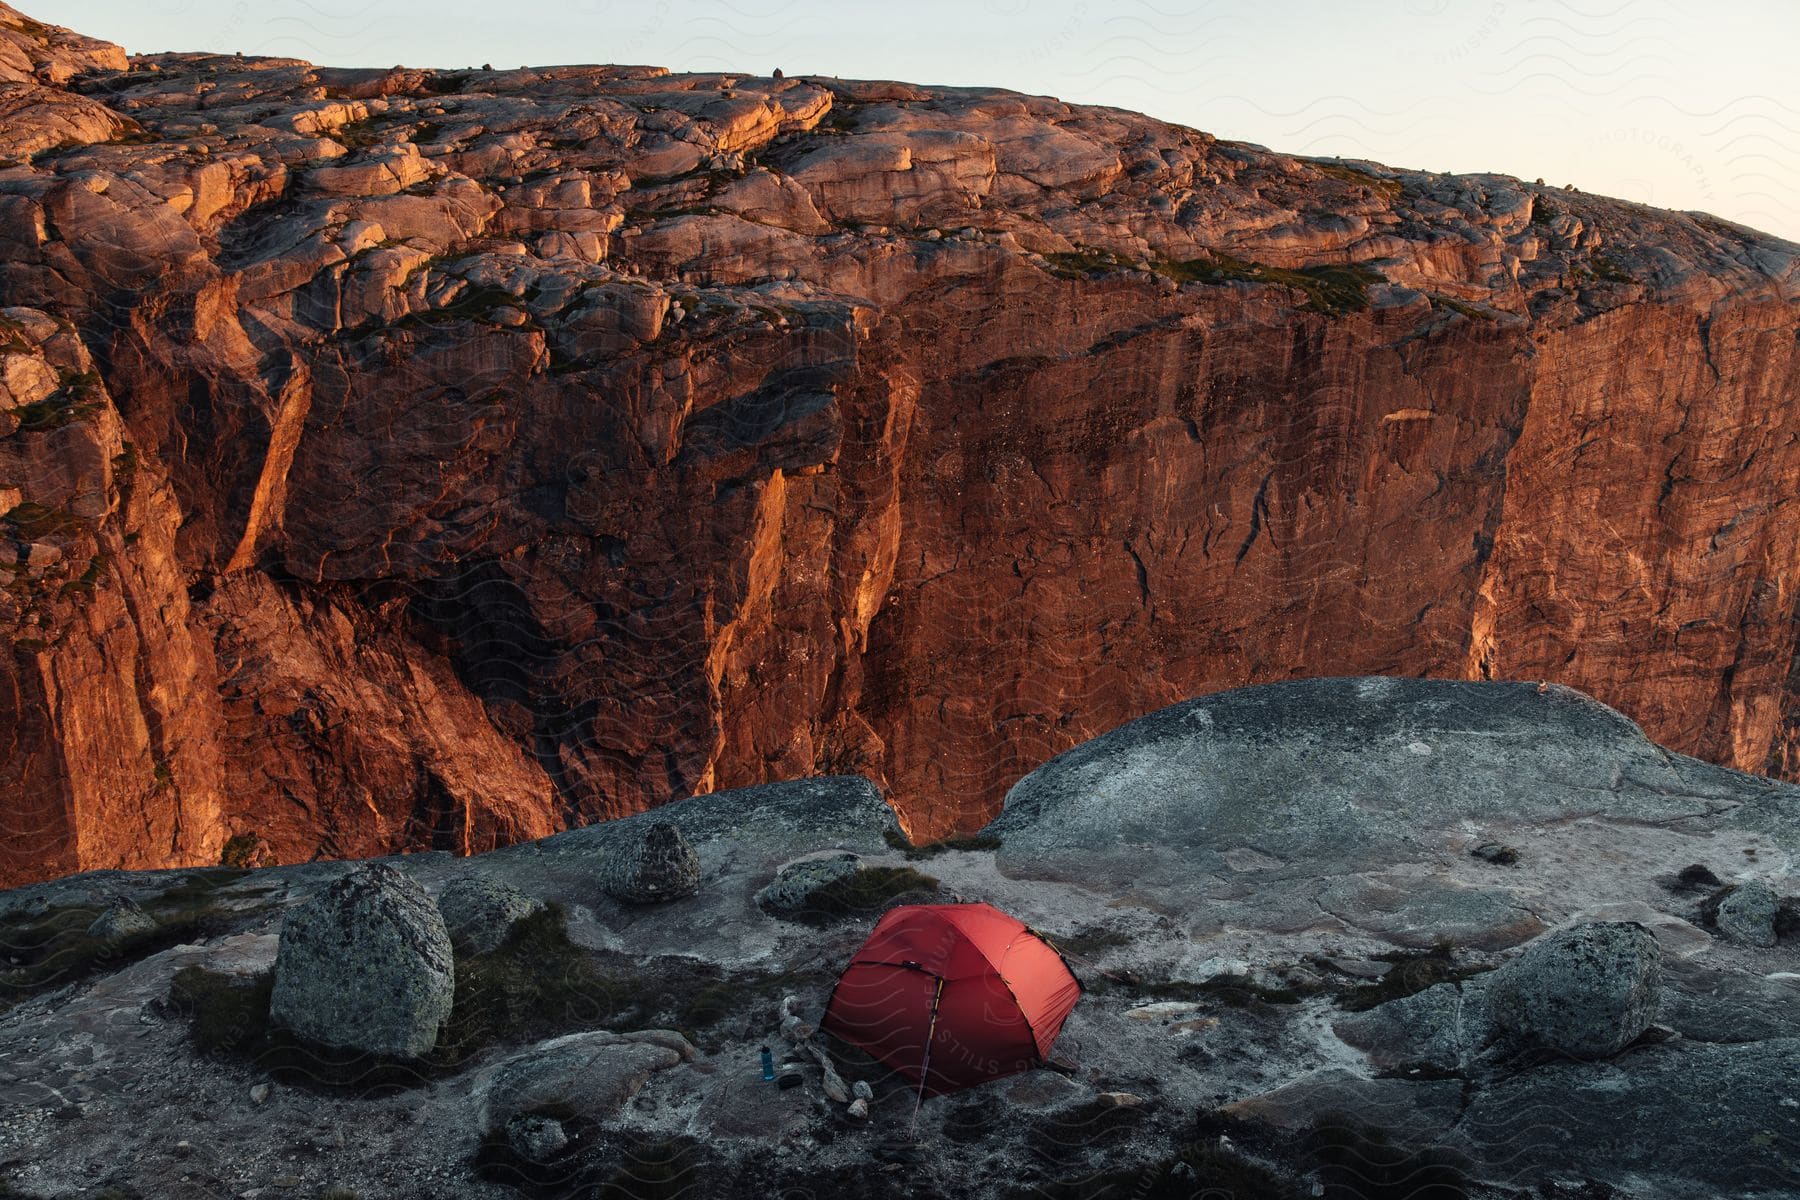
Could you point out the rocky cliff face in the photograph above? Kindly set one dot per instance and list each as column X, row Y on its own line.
column 436, row 458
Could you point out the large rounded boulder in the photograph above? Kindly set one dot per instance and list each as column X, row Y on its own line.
column 1588, row 990
column 366, row 966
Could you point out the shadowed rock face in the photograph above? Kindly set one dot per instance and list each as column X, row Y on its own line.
column 427, row 458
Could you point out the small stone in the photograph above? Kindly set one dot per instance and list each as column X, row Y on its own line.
column 183, row 1148
column 1746, row 914
column 121, row 918
column 862, row 1090
column 652, row 865
column 1494, row 852
column 259, row 1093
column 1695, row 876
column 796, row 882
column 859, row 1108
column 285, row 1181
column 1121, row 1099
column 536, row 1137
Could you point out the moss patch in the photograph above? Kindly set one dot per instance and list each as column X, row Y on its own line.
column 1600, row 267
column 1355, row 1161
column 33, row 522
column 1235, row 991
column 867, row 892
column 54, row 949
column 1094, row 940
column 1085, row 264
column 1334, row 289
column 1387, row 189
column 966, row 844
column 1472, row 311
column 534, row 985
column 76, row 399
column 474, row 303
column 1413, row 971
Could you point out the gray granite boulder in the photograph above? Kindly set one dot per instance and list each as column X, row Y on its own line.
column 478, row 913
column 655, row 866
column 1587, row 991
column 1746, row 914
column 365, row 966
column 796, row 882
column 121, row 918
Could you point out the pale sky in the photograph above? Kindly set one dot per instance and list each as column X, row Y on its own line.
column 1685, row 105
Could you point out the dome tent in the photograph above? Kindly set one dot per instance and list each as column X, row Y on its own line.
column 952, row 995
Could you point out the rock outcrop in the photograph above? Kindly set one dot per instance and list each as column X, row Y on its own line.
column 365, row 967
column 402, row 459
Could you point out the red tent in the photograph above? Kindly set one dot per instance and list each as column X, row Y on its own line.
column 952, row 995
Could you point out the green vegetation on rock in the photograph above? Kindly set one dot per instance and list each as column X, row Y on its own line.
column 1333, row 289
column 53, row 949
column 964, row 844
column 1388, row 189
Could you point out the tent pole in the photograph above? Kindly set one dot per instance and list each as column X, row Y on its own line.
column 925, row 1065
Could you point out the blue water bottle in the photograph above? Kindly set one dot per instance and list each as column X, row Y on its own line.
column 768, row 1058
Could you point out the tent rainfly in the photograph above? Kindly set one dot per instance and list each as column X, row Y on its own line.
column 952, row 995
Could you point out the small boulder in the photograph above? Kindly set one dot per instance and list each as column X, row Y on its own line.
column 1497, row 853
column 795, row 883
column 1588, row 990
column 366, row 966
column 651, row 866
column 121, row 918
column 1441, row 1028
column 536, row 1137
column 1746, row 914
column 479, row 913
column 590, row 1075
